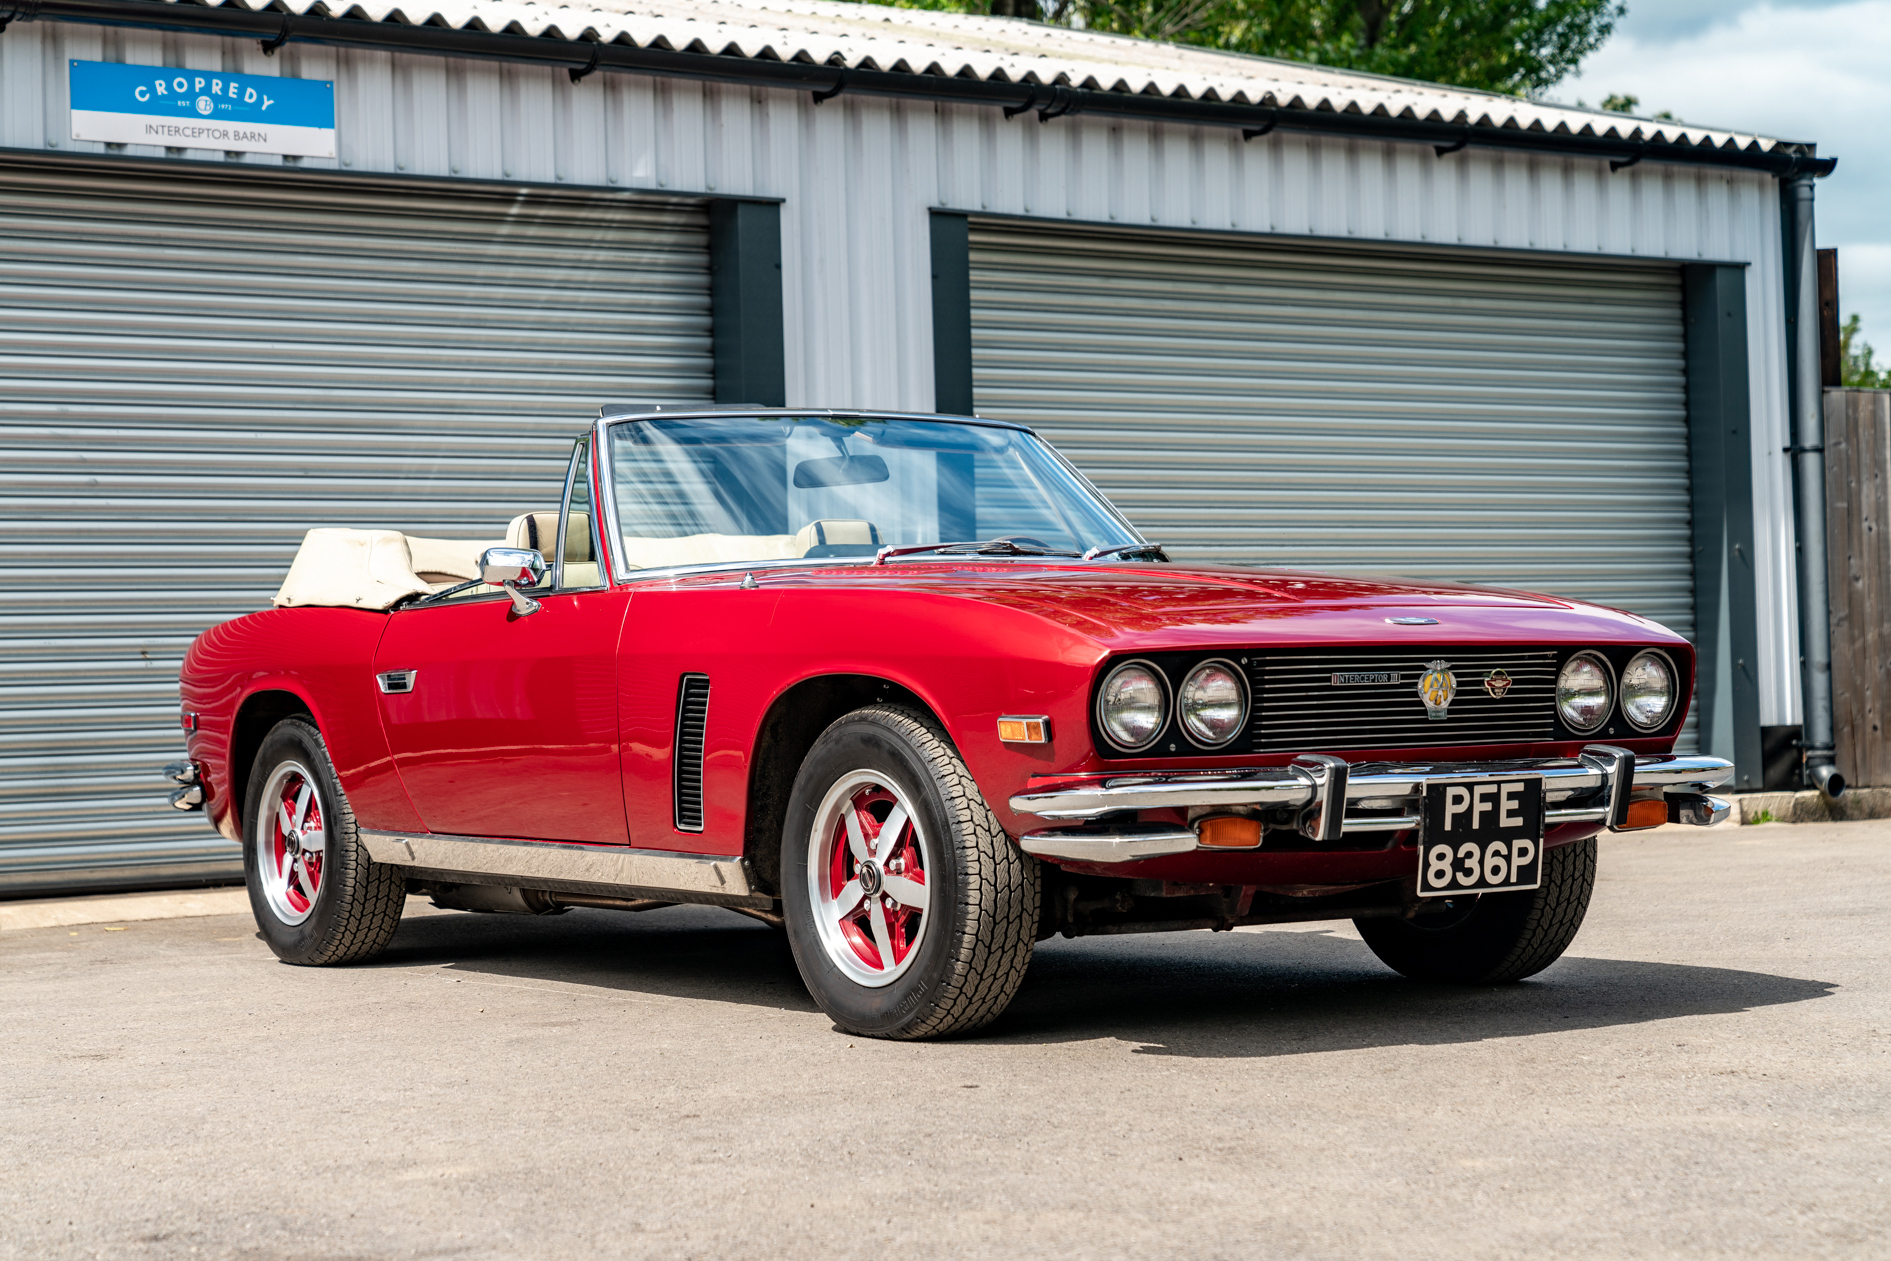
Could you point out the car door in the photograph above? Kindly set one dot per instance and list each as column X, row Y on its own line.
column 505, row 725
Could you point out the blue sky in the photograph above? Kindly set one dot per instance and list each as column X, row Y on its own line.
column 1817, row 70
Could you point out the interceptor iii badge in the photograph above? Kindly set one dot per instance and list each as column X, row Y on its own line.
column 1436, row 687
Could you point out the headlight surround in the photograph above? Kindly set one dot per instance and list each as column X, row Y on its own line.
column 1649, row 690
column 1213, row 703
column 1133, row 706
column 1585, row 692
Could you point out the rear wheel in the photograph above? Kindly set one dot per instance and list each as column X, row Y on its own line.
column 910, row 912
column 1497, row 937
column 317, row 897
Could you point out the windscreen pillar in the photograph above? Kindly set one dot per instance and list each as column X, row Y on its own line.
column 1726, row 599
column 745, row 302
column 951, row 314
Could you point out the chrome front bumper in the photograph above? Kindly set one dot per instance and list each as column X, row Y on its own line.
column 1334, row 798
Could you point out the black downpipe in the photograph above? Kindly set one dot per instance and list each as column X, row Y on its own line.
column 585, row 56
column 1807, row 409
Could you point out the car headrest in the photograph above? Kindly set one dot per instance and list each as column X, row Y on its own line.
column 835, row 531
column 539, row 531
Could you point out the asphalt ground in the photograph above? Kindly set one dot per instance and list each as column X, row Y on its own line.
column 1705, row 1074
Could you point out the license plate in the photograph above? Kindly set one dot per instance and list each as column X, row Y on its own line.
column 1482, row 836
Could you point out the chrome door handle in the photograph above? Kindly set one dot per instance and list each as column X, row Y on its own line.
column 397, row 681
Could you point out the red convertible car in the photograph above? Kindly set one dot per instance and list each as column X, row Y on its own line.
column 911, row 689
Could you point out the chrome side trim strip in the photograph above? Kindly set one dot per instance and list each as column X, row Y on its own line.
column 648, row 869
column 1369, row 784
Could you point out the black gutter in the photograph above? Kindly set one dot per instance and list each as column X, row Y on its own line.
column 581, row 57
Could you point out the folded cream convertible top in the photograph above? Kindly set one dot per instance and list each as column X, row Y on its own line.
column 372, row 569
column 375, row 569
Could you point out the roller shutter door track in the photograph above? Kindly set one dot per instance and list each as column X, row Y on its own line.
column 1504, row 420
column 193, row 372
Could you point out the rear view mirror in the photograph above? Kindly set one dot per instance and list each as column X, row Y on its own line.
column 840, row 470
column 515, row 569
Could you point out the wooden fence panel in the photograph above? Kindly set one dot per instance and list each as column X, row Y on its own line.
column 1858, row 540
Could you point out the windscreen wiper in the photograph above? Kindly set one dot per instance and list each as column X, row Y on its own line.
column 991, row 547
column 1127, row 550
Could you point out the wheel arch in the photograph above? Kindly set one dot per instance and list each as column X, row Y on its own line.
column 789, row 728
column 255, row 718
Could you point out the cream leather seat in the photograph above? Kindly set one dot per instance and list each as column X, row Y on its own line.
column 539, row 532
column 836, row 536
column 831, row 537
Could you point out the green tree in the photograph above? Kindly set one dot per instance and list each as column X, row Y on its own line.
column 1514, row 46
column 1856, row 370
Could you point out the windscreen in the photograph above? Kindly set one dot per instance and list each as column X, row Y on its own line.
column 741, row 489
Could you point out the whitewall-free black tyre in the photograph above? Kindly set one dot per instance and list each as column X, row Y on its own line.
column 910, row 912
column 317, row 897
column 1495, row 938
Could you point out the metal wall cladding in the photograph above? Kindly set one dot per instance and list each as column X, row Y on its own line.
column 193, row 372
column 858, row 176
column 1517, row 422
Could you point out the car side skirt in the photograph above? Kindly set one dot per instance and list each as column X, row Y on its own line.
column 708, row 879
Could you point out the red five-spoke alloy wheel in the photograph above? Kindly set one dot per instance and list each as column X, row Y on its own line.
column 316, row 895
column 910, row 912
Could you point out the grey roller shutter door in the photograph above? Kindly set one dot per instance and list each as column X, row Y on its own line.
column 1503, row 420
column 194, row 372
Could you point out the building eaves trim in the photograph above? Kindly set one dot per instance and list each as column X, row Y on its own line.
column 829, row 48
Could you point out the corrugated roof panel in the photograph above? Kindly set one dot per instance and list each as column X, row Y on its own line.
column 1002, row 50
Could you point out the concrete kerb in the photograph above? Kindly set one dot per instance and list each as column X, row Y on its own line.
column 122, row 908
column 1813, row 806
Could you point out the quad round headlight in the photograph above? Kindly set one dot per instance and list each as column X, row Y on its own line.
column 1213, row 703
column 1133, row 706
column 1584, row 692
column 1648, row 690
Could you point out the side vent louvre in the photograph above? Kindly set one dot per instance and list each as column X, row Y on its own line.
column 692, row 721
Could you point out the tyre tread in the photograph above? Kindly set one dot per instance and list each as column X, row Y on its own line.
column 1521, row 937
column 1555, row 915
column 367, row 898
column 999, row 898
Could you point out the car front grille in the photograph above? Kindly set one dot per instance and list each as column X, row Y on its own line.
column 1376, row 705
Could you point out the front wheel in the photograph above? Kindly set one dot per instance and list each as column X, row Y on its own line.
column 317, row 896
column 1494, row 938
column 910, row 912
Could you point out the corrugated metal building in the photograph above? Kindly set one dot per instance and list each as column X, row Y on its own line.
column 1281, row 314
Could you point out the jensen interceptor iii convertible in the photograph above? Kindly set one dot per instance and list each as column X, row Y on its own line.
column 909, row 688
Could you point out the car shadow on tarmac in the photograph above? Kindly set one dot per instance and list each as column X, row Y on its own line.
column 1269, row 994
column 1240, row 995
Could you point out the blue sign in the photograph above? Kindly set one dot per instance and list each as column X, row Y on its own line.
column 202, row 109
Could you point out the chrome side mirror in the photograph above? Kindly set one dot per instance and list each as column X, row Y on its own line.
column 515, row 569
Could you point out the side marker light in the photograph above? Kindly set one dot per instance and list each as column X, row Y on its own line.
column 1024, row 730
column 1229, row 832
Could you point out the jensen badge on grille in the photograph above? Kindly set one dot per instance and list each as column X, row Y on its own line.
column 1436, row 687
column 1497, row 682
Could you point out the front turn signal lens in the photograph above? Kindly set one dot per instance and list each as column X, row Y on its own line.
column 1021, row 730
column 1651, row 813
column 1232, row 832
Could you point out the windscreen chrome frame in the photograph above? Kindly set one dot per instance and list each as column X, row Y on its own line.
column 607, row 488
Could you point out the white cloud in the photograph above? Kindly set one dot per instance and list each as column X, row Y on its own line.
column 1808, row 71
